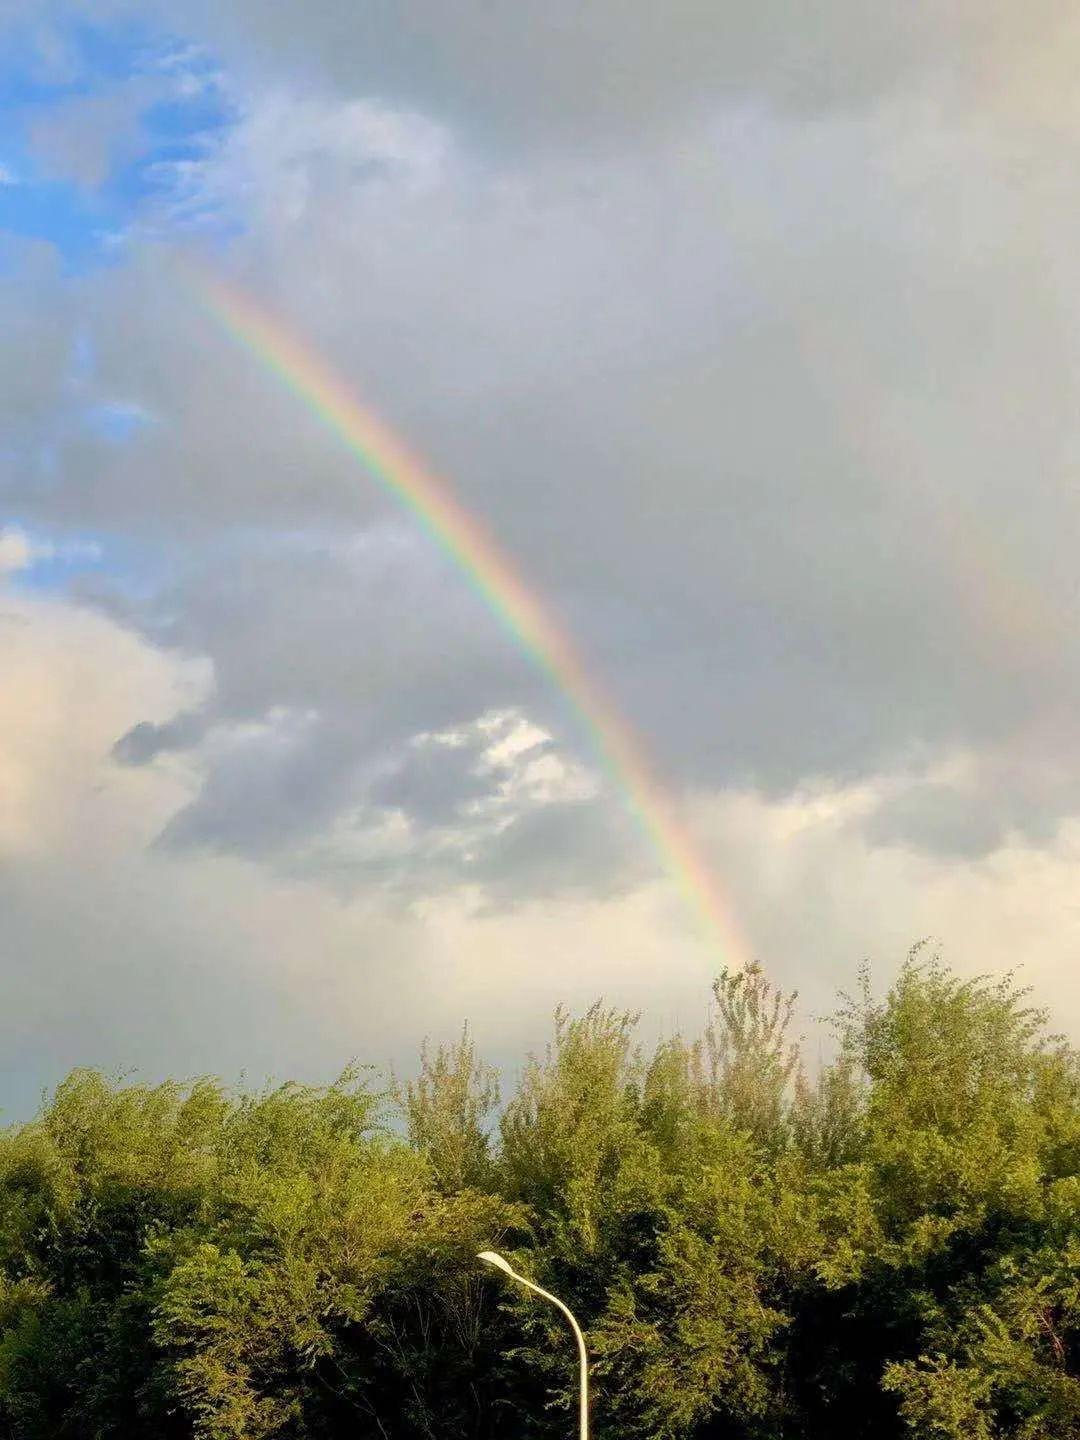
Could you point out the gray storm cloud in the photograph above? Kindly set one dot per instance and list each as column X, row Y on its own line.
column 752, row 421
column 605, row 71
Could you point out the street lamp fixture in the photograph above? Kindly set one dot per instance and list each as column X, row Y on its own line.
column 497, row 1262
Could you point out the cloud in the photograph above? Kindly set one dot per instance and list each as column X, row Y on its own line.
column 605, row 393
column 82, row 138
column 121, row 953
column 15, row 551
column 69, row 677
column 20, row 551
column 977, row 803
column 39, row 325
column 718, row 452
column 611, row 71
column 815, row 892
column 118, row 953
column 748, row 387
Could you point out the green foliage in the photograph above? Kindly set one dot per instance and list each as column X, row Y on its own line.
column 448, row 1109
column 889, row 1249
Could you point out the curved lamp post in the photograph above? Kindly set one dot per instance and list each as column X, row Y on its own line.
column 498, row 1263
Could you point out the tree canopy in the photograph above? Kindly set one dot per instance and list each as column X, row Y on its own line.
column 887, row 1248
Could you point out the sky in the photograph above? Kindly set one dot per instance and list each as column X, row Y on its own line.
column 750, row 335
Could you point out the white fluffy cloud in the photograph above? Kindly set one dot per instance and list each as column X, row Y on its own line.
column 16, row 552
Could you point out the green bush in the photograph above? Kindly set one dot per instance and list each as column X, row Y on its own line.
column 889, row 1249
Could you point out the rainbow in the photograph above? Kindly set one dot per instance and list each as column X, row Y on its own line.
column 465, row 539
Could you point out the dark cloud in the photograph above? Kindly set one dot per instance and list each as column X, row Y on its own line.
column 264, row 789
column 1020, row 790
column 146, row 741
column 943, row 819
column 566, row 850
column 432, row 781
column 605, row 70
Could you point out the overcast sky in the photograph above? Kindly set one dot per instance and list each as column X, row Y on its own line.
column 752, row 334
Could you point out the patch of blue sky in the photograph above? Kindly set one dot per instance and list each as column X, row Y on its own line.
column 179, row 132
column 40, row 63
column 117, row 421
column 150, row 183
column 51, row 572
column 203, row 111
column 113, row 564
column 76, row 223
column 174, row 132
column 51, row 561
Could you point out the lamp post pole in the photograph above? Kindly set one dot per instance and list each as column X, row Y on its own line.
column 498, row 1263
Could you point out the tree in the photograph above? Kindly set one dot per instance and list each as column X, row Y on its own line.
column 890, row 1248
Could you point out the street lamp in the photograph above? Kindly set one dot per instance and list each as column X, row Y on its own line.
column 498, row 1263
